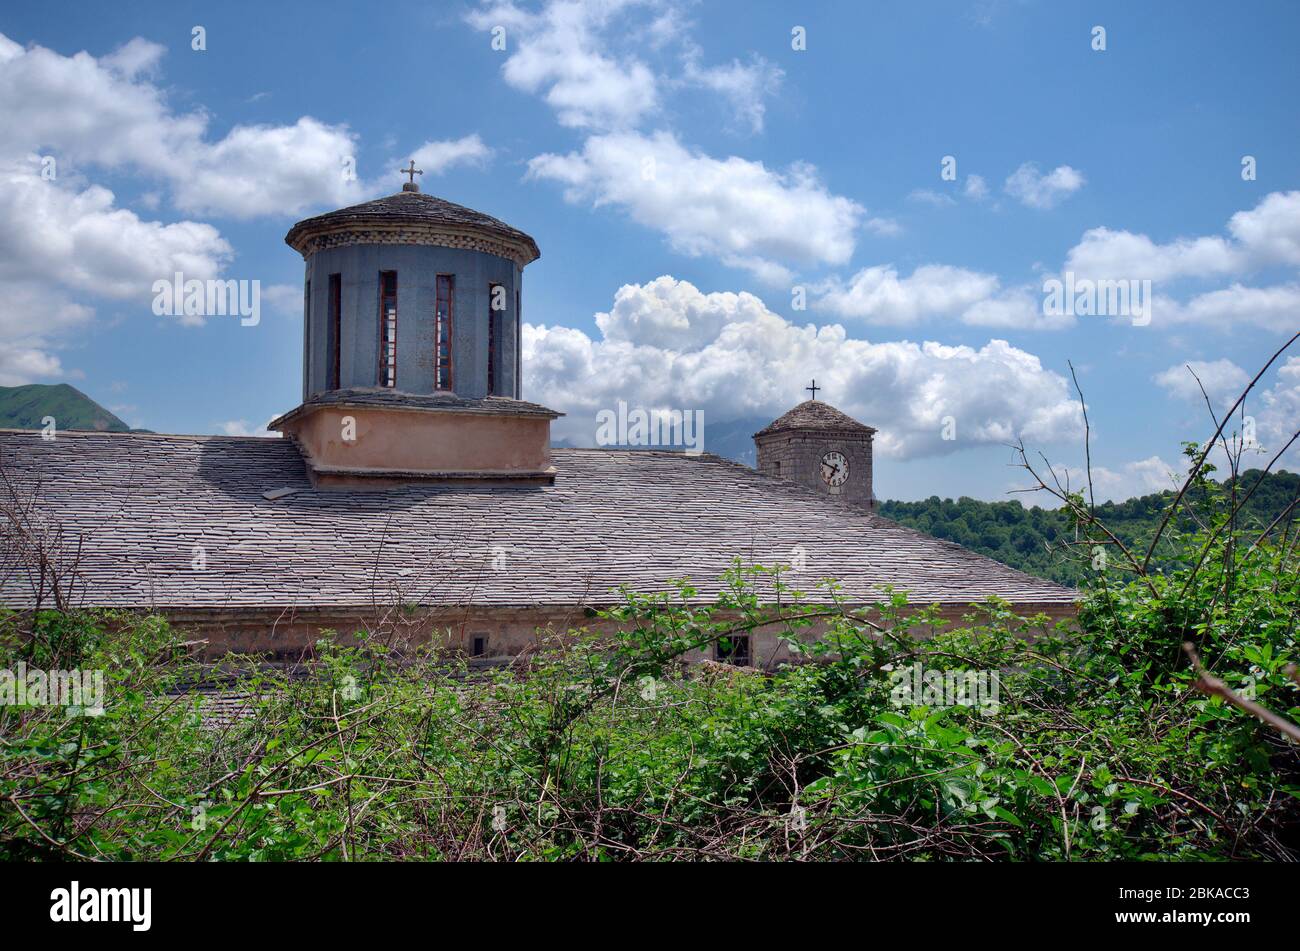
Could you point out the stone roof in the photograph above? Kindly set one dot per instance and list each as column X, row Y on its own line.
column 140, row 504
column 409, row 207
column 383, row 397
column 814, row 414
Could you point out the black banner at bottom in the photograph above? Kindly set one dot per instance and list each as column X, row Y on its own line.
column 334, row 900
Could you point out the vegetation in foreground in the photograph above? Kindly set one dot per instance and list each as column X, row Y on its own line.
column 1099, row 748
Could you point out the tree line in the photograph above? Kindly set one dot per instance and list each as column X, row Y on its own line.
column 1033, row 539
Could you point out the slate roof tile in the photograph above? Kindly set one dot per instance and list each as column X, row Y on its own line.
column 814, row 414
column 415, row 207
column 141, row 503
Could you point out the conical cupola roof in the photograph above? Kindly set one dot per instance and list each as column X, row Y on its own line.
column 815, row 415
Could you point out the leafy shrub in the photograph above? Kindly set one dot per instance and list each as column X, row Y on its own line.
column 612, row 749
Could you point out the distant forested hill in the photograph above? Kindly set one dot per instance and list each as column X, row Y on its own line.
column 23, row 407
column 1019, row 536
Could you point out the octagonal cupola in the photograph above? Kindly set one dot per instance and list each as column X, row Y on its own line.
column 411, row 345
column 412, row 293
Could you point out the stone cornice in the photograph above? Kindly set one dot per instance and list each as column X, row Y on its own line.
column 309, row 239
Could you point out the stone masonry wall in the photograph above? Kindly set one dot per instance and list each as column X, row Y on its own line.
column 509, row 631
column 796, row 455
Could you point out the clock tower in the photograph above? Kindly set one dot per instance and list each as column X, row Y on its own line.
column 817, row 445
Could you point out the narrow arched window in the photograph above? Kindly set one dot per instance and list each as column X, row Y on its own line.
column 446, row 286
column 388, row 328
column 496, row 308
column 335, row 329
column 309, row 358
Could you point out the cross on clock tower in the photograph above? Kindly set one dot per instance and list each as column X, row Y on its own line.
column 817, row 445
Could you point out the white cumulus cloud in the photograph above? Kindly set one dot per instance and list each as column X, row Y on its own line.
column 1106, row 254
column 1222, row 379
column 1032, row 188
column 666, row 344
column 108, row 112
column 435, row 157
column 1267, row 234
column 880, row 295
column 740, row 211
column 65, row 239
column 562, row 54
column 744, row 86
column 59, row 242
column 1270, row 231
column 1277, row 413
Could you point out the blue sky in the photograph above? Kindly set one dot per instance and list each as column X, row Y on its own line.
column 687, row 175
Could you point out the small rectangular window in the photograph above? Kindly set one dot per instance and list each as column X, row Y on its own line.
column 496, row 304
column 734, row 650
column 478, row 647
column 443, row 303
column 335, row 329
column 388, row 328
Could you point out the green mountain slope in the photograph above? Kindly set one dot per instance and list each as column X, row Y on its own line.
column 23, row 407
column 1020, row 537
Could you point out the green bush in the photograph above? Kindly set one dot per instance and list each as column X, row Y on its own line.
column 1099, row 745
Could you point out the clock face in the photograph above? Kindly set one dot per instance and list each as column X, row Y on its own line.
column 835, row 469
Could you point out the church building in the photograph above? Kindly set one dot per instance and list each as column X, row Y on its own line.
column 415, row 492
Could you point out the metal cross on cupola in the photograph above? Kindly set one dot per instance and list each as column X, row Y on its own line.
column 412, row 172
column 813, row 389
